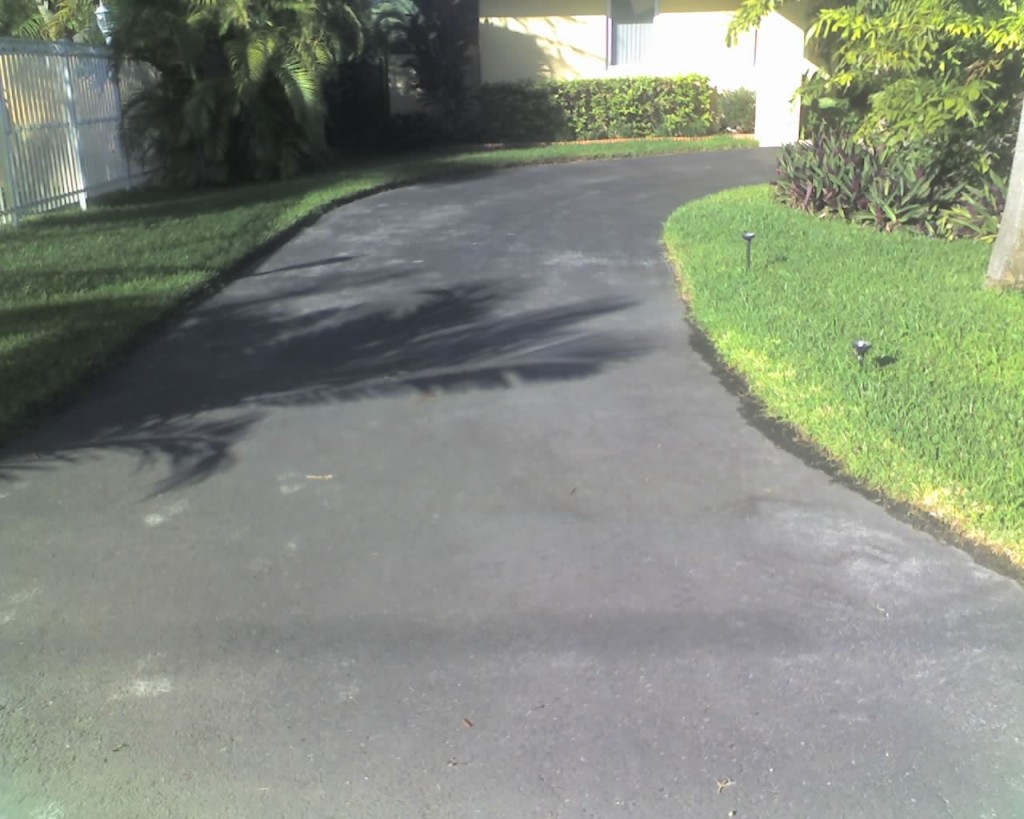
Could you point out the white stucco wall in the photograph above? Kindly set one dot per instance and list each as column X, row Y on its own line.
column 568, row 39
column 694, row 43
column 779, row 70
column 543, row 39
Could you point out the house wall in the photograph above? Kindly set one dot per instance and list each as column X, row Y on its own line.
column 689, row 38
column 535, row 44
column 569, row 39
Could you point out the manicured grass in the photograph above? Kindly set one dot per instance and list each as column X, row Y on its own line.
column 77, row 288
column 935, row 417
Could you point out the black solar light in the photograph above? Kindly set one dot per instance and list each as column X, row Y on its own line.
column 748, row 237
column 861, row 348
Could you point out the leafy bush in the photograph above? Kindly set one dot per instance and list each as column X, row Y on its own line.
column 520, row 112
column 889, row 186
column 627, row 107
column 734, row 110
column 406, row 132
column 946, row 73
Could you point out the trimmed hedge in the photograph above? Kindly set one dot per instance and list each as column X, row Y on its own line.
column 735, row 110
column 566, row 110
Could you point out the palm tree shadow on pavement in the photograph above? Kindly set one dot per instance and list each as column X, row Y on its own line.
column 189, row 397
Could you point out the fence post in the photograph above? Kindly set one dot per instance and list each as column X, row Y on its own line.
column 76, row 139
column 10, row 196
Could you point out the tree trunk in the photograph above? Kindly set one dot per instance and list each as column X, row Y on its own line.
column 1006, row 264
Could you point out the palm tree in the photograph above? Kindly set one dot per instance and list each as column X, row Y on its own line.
column 239, row 89
column 49, row 20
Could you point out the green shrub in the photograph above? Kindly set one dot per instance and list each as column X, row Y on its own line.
column 408, row 132
column 734, row 110
column 626, row 107
column 520, row 112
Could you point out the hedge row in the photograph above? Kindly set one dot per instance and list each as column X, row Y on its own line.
column 627, row 107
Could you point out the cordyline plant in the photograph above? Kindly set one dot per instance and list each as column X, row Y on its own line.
column 839, row 174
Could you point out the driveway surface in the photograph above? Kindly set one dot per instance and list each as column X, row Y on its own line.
column 439, row 514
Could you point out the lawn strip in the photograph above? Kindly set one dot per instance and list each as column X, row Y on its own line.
column 935, row 416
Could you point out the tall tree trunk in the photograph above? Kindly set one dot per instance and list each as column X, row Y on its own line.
column 1006, row 264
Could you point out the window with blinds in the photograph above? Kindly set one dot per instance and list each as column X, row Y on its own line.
column 632, row 30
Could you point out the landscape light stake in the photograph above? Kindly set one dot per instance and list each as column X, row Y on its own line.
column 861, row 348
column 748, row 238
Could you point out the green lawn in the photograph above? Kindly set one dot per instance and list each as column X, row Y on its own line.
column 76, row 289
column 936, row 416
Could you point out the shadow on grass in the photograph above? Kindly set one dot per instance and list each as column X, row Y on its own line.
column 141, row 206
column 305, row 340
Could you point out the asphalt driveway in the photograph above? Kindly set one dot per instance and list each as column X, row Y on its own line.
column 440, row 514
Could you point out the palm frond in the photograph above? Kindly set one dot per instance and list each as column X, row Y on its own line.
column 245, row 77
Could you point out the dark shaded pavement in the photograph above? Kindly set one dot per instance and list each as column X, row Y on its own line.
column 438, row 514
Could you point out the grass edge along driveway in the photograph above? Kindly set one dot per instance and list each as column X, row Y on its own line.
column 935, row 416
column 78, row 289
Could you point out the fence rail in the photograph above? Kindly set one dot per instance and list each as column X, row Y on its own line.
column 60, row 125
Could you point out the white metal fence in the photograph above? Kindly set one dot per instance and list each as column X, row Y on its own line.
column 60, row 125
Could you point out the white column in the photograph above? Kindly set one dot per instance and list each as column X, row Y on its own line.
column 778, row 73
